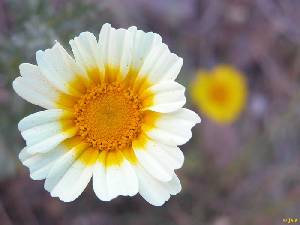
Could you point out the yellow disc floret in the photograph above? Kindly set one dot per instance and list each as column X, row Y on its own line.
column 109, row 116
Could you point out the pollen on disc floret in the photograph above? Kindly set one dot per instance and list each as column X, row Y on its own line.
column 109, row 116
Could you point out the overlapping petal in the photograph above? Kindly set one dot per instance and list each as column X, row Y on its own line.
column 116, row 49
column 40, row 164
column 154, row 191
column 174, row 128
column 34, row 87
column 44, row 130
column 164, row 97
column 59, row 68
column 158, row 159
column 87, row 55
column 71, row 173
column 110, row 181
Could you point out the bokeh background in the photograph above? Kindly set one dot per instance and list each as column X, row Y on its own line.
column 245, row 172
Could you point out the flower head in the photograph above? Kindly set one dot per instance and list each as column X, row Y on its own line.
column 220, row 93
column 113, row 114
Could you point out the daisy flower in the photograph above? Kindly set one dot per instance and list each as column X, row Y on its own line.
column 113, row 114
column 220, row 93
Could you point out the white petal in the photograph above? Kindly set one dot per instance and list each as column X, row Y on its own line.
column 153, row 58
column 45, row 137
column 40, row 164
column 153, row 158
column 173, row 155
column 166, row 97
column 49, row 143
column 43, row 130
column 174, row 185
column 99, row 182
column 59, row 68
column 121, row 180
column 161, row 65
column 61, row 166
column 144, row 52
column 158, row 159
column 143, row 43
column 116, row 48
column 170, row 157
column 69, row 176
column 104, row 37
column 24, row 155
column 34, row 87
column 114, row 180
column 39, row 133
column 73, row 182
column 40, row 118
column 87, row 52
column 153, row 191
column 174, row 128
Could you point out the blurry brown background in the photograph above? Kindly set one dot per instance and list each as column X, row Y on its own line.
column 244, row 173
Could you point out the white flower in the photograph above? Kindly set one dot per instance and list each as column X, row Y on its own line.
column 113, row 114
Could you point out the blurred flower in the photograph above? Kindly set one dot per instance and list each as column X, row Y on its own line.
column 220, row 93
column 114, row 113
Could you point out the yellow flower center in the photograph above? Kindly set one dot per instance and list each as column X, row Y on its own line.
column 218, row 93
column 109, row 116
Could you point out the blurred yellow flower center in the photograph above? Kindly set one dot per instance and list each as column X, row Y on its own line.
column 219, row 93
column 109, row 116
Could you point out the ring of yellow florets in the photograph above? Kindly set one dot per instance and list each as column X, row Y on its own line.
column 108, row 116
